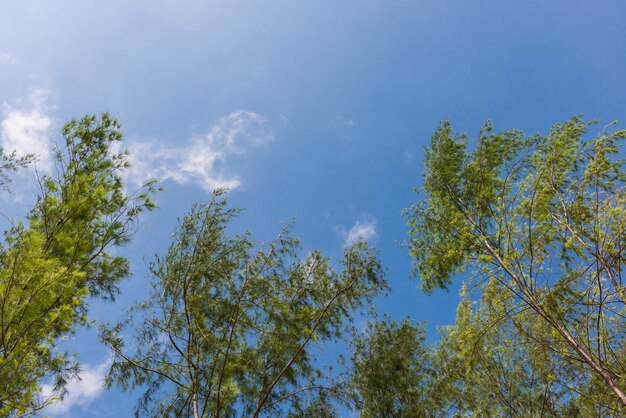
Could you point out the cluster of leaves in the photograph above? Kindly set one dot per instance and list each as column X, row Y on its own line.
column 11, row 162
column 60, row 255
column 230, row 327
column 539, row 224
column 390, row 371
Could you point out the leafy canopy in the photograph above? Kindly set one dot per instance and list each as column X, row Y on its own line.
column 62, row 254
column 540, row 220
column 390, row 371
column 230, row 326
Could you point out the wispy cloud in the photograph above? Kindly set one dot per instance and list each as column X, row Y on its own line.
column 362, row 230
column 205, row 159
column 79, row 391
column 7, row 59
column 27, row 131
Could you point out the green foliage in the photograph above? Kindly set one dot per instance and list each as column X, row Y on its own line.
column 62, row 255
column 318, row 407
column 230, row 326
column 11, row 162
column 489, row 364
column 463, row 191
column 390, row 373
column 539, row 222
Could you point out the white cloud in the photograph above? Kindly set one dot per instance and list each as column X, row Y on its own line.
column 79, row 391
column 28, row 131
column 205, row 160
column 7, row 59
column 362, row 230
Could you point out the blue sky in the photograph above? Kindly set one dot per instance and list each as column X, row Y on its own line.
column 312, row 111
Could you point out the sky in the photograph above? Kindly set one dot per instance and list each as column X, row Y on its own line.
column 316, row 112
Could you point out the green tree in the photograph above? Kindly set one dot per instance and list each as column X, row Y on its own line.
column 494, row 362
column 230, row 327
column 542, row 219
column 390, row 373
column 62, row 254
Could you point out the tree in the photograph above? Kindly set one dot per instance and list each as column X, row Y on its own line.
column 229, row 327
column 61, row 255
column 390, row 371
column 543, row 219
column 492, row 361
